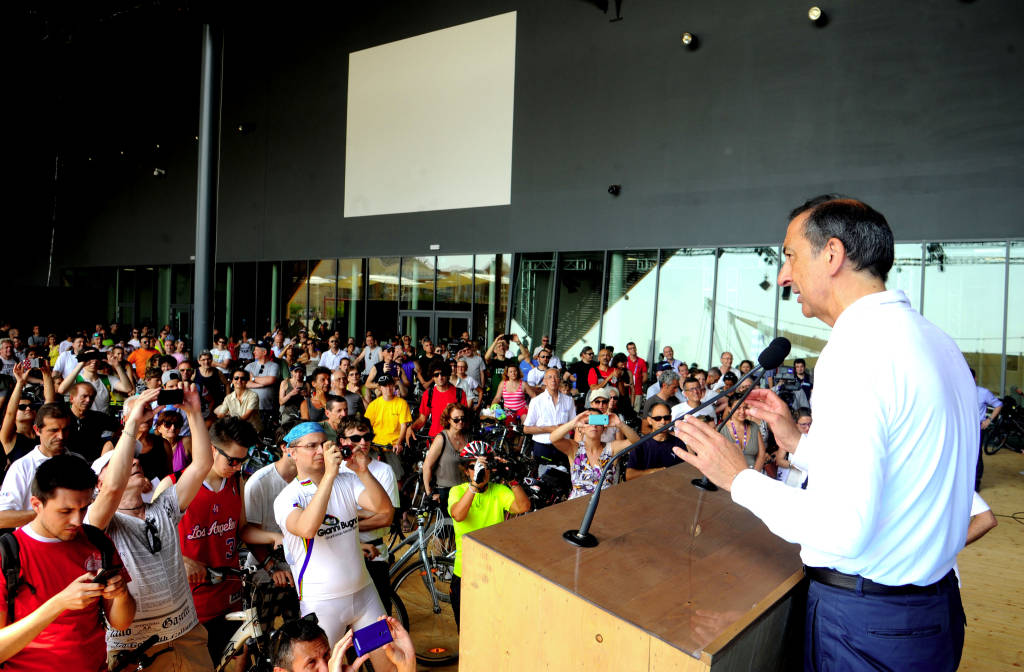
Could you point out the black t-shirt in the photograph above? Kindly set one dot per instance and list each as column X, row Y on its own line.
column 427, row 363
column 22, row 447
column 581, row 370
column 86, row 437
column 652, row 454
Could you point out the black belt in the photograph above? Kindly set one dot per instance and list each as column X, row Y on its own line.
column 831, row 577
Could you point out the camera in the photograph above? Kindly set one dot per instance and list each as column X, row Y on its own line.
column 346, row 452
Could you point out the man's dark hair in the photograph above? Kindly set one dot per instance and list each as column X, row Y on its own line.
column 715, row 370
column 353, row 422
column 56, row 410
column 861, row 229
column 619, row 359
column 443, row 368
column 691, row 379
column 729, row 379
column 299, row 630
column 62, row 471
column 802, row 412
column 167, row 359
column 234, row 430
column 283, row 430
column 799, row 360
column 320, row 371
column 333, row 399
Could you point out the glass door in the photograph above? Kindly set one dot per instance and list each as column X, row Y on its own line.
column 451, row 326
column 417, row 324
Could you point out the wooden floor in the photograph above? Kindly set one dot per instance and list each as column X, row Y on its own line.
column 992, row 571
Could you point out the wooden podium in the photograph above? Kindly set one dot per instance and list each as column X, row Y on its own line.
column 682, row 579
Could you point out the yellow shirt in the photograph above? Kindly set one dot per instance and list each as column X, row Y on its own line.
column 386, row 418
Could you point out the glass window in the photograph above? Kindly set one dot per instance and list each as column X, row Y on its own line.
column 745, row 302
column 905, row 274
column 296, row 293
column 454, row 282
column 243, row 302
column 322, row 294
column 578, row 321
column 684, row 304
column 629, row 304
column 267, row 298
column 350, row 297
column 531, row 312
column 963, row 296
column 493, row 275
column 417, row 283
column 381, row 297
column 1015, row 321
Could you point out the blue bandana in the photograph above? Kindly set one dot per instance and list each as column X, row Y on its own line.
column 302, row 429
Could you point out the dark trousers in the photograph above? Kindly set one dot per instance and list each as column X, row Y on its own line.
column 379, row 573
column 455, row 590
column 847, row 630
column 980, row 470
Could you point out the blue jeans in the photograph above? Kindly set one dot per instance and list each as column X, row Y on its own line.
column 847, row 630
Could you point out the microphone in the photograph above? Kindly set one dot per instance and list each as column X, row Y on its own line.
column 770, row 358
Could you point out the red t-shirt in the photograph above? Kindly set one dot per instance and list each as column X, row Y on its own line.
column 597, row 373
column 439, row 402
column 75, row 641
column 636, row 369
column 208, row 531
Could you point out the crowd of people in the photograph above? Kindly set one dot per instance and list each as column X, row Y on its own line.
column 163, row 436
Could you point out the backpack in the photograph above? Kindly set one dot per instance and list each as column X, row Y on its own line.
column 9, row 552
column 430, row 398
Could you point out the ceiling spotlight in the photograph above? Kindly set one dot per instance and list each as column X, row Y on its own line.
column 817, row 16
column 690, row 41
column 614, row 189
column 159, row 172
column 764, row 284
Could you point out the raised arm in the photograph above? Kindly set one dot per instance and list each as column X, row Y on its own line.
column 433, row 455
column 9, row 430
column 560, row 437
column 191, row 478
column 119, row 468
column 305, row 522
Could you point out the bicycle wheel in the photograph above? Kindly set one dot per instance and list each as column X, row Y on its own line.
column 398, row 611
column 995, row 442
column 431, row 624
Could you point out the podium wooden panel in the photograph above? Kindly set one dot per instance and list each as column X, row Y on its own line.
column 682, row 579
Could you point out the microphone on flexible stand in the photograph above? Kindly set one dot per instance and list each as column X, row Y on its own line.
column 703, row 483
column 770, row 358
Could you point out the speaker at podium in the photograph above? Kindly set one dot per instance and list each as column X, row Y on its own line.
column 681, row 579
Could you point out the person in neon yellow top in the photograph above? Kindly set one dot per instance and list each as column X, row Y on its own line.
column 478, row 503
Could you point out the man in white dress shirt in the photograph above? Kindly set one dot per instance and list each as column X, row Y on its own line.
column 891, row 466
column 547, row 412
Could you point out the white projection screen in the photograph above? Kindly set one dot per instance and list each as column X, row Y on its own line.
column 430, row 121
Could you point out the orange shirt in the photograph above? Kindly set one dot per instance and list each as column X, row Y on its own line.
column 140, row 359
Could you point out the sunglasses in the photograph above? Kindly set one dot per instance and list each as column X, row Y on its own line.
column 596, row 402
column 232, row 461
column 238, row 378
column 359, row 438
column 660, row 418
column 438, row 374
column 24, row 407
column 169, row 423
column 459, row 419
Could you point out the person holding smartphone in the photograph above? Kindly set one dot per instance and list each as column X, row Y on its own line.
column 589, row 456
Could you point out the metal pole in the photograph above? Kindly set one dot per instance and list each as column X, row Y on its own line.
column 206, row 192
column 714, row 307
column 1006, row 315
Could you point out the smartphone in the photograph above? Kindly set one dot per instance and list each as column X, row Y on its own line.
column 170, row 397
column 372, row 637
column 597, row 419
column 37, row 362
column 106, row 575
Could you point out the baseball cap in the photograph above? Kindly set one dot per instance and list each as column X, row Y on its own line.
column 262, row 344
column 170, row 375
column 385, row 379
column 600, row 393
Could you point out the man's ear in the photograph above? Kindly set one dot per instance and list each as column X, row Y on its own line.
column 36, row 504
column 835, row 254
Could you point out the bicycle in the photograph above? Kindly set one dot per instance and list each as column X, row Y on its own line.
column 1007, row 431
column 425, row 586
column 252, row 637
